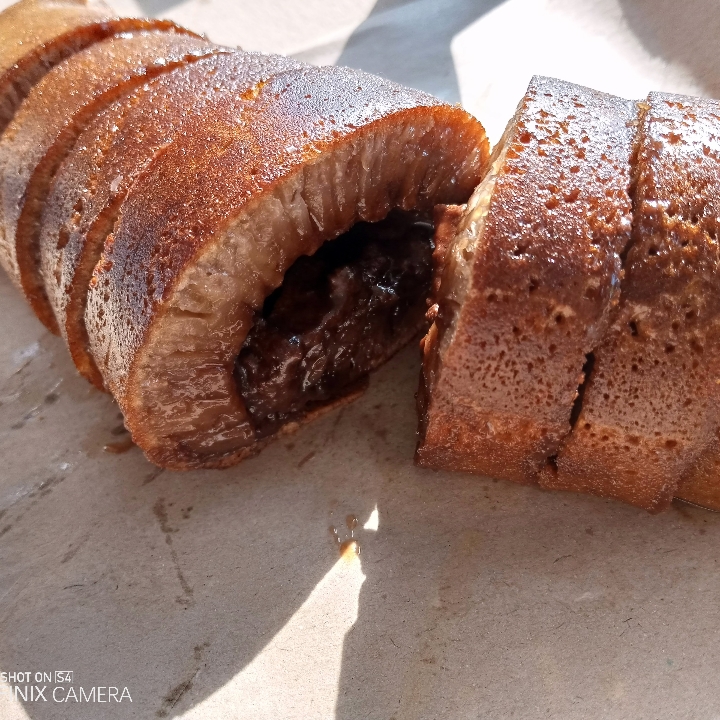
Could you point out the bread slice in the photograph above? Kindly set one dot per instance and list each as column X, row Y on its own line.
column 36, row 35
column 111, row 153
column 47, row 125
column 651, row 404
column 528, row 284
column 208, row 231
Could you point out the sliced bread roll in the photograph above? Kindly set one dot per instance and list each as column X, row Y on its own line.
column 652, row 403
column 208, row 231
column 35, row 35
column 47, row 125
column 528, row 284
column 111, row 153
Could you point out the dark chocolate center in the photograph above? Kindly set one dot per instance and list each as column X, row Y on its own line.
column 338, row 315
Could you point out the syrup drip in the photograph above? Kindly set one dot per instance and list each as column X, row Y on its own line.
column 351, row 547
column 117, row 448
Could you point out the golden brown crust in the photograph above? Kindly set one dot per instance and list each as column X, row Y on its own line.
column 109, row 155
column 29, row 24
column 218, row 179
column 49, row 121
column 650, row 405
column 528, row 284
column 35, row 35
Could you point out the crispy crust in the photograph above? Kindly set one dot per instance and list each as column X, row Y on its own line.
column 35, row 35
column 650, row 406
column 200, row 244
column 49, row 121
column 528, row 285
column 108, row 157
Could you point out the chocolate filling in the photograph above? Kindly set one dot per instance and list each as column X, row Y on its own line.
column 339, row 314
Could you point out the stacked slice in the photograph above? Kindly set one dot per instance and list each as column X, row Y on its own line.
column 641, row 423
column 154, row 191
column 47, row 124
column 650, row 406
column 35, row 35
column 230, row 242
column 114, row 149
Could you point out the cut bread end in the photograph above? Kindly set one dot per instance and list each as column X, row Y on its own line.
column 176, row 383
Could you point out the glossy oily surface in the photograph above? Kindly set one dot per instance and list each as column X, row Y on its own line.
column 49, row 122
column 36, row 35
column 110, row 154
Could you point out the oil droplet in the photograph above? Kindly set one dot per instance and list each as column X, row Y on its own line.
column 117, row 448
column 349, row 549
column 352, row 522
